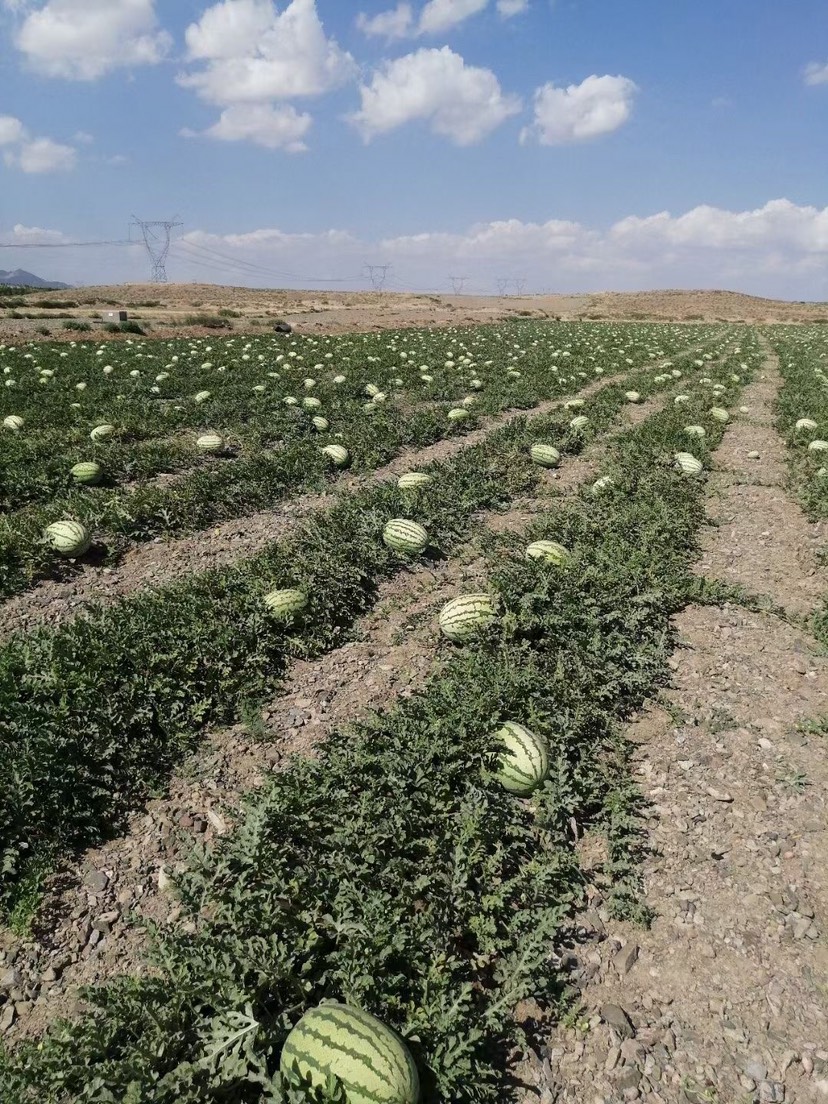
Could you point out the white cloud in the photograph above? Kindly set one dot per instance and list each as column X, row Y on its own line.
column 441, row 15
column 85, row 39
column 509, row 8
column 395, row 23
column 596, row 106
column 459, row 101
column 255, row 54
column 83, row 138
column 42, row 155
column 263, row 124
column 36, row 235
column 11, row 130
column 816, row 73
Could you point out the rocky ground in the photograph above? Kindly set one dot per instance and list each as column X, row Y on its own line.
column 724, row 998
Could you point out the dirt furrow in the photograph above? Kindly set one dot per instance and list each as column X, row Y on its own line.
column 724, row 999
column 93, row 923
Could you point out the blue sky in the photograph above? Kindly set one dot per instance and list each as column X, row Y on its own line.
column 576, row 144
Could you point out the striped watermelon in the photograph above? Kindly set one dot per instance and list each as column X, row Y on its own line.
column 210, row 442
column 720, row 414
column 458, row 414
column 602, row 483
column 405, row 537
column 311, row 403
column 284, row 604
column 87, row 472
column 201, row 396
column 573, row 404
column 802, row 423
column 70, row 538
column 344, row 1044
column 339, row 379
column 337, row 454
column 309, row 384
column 524, row 764
column 579, row 423
column 818, row 446
column 13, row 421
column 102, row 432
column 632, row 396
column 464, row 617
column 679, row 399
column 321, row 424
column 371, row 389
column 379, row 398
column 413, row 481
column 290, row 400
column 545, row 456
column 695, row 431
column 687, row 463
column 549, row 551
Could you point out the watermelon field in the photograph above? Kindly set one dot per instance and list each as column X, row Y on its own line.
column 323, row 667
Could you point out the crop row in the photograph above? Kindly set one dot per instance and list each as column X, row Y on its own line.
column 230, row 488
column 75, row 760
column 393, row 872
column 159, row 396
column 802, row 410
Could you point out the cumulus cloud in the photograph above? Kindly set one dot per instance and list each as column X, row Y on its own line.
column 816, row 73
column 579, row 112
column 35, row 235
column 255, row 54
column 458, row 101
column 395, row 23
column 281, row 127
column 85, row 39
column 33, row 155
column 439, row 16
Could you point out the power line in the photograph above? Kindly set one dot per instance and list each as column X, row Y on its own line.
column 251, row 265
column 60, row 245
column 156, row 235
column 378, row 274
column 458, row 283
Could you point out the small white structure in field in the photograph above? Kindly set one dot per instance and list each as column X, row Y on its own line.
column 115, row 316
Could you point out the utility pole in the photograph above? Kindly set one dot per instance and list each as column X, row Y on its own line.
column 502, row 284
column 156, row 235
column 520, row 285
column 458, row 283
column 378, row 274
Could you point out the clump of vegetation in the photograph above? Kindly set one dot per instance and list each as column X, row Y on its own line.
column 208, row 321
column 226, row 312
column 74, row 324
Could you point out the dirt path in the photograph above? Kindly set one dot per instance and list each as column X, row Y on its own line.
column 724, row 1000
column 81, row 935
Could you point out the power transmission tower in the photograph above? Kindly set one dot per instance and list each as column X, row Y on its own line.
column 156, row 236
column 378, row 274
column 520, row 285
column 458, row 283
column 502, row 284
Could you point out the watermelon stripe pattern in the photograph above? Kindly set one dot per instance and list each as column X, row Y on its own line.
column 545, row 456
column 465, row 617
column 284, row 604
column 412, row 481
column 404, row 536
column 524, row 764
column 69, row 538
column 87, row 472
column 372, row 1063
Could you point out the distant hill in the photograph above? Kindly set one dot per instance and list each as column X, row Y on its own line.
column 20, row 278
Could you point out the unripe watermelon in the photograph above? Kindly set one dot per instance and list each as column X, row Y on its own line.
column 337, row 454
column 632, row 396
column 524, row 764
column 545, row 456
column 87, row 473
column 102, row 432
column 720, row 414
column 548, row 551
column 687, row 463
column 210, row 442
column 321, row 424
column 13, row 421
column 284, row 604
column 463, row 618
column 346, row 1045
column 405, row 537
column 413, row 481
column 458, row 414
column 70, row 538
column 802, row 423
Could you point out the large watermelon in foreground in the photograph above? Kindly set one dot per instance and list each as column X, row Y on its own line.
column 466, row 616
column 70, row 538
column 372, row 1063
column 545, row 456
column 406, row 537
column 524, row 763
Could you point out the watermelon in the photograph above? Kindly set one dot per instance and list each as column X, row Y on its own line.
column 309, row 384
column 524, row 764
column 818, row 446
column 545, row 456
column 335, row 1042
column 379, row 398
column 339, row 379
column 321, row 424
column 70, row 538
column 681, row 399
column 406, row 537
column 632, row 396
column 210, row 442
column 579, row 423
column 284, row 604
column 102, row 432
column 458, row 414
column 802, row 423
column 371, row 389
column 573, row 404
column 370, row 408
column 695, row 431
column 602, row 483
column 337, row 454
column 290, row 400
column 719, row 413
column 687, row 463
column 549, row 551
column 87, row 472
column 13, row 421
column 311, row 403
column 413, row 481
column 201, row 396
column 464, row 617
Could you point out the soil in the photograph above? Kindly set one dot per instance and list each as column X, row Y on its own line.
column 724, row 999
